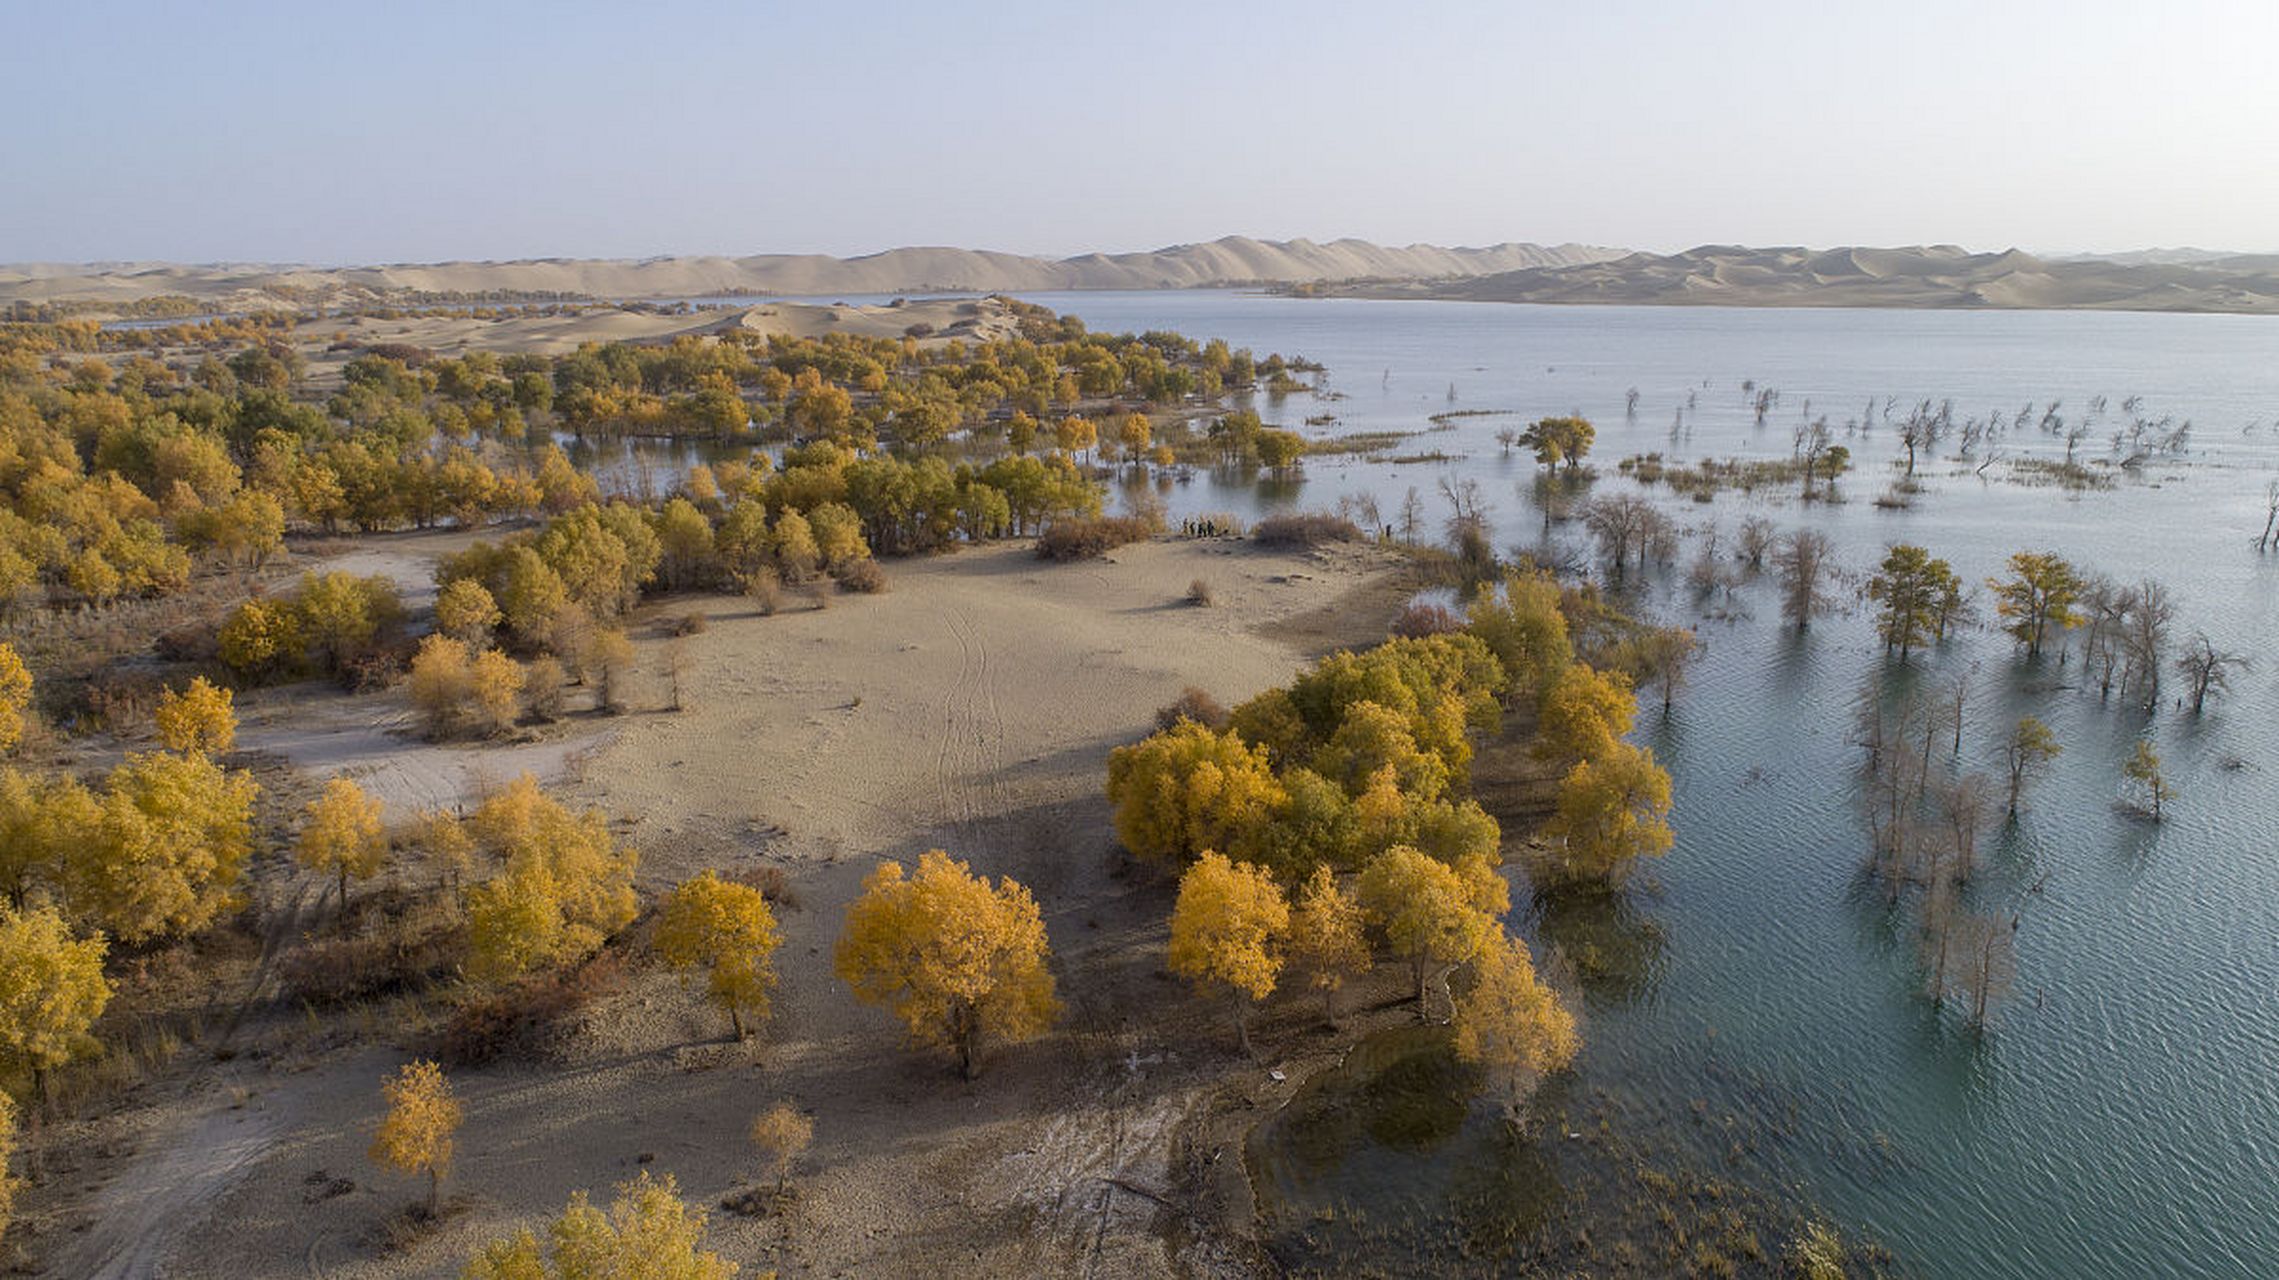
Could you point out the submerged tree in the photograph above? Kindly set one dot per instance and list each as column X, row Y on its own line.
column 1511, row 1023
column 1803, row 560
column 1913, row 589
column 2208, row 669
column 2027, row 756
column 2036, row 598
column 2145, row 780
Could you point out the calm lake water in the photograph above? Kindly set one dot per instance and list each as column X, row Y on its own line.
column 1762, row 1012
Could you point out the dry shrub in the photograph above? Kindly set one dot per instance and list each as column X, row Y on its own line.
column 773, row 885
column 863, row 577
column 765, row 589
column 1199, row 592
column 1081, row 538
column 688, row 624
column 402, row 946
column 542, row 683
column 1310, row 530
column 197, row 643
column 1423, row 618
column 121, row 700
column 1196, row 705
column 370, row 672
column 523, row 1016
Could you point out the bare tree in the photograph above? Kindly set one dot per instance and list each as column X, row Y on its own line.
column 2144, row 638
column 2208, row 669
column 2270, row 536
column 1803, row 559
column 1988, row 949
column 1756, row 539
column 1622, row 524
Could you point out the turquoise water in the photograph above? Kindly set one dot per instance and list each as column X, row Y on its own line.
column 2121, row 1118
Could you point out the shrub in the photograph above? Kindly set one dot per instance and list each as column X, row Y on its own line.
column 863, row 577
column 1312, row 530
column 765, row 588
column 1199, row 592
column 400, row 948
column 1196, row 705
column 523, row 1016
column 688, row 624
column 1422, row 618
column 1083, row 537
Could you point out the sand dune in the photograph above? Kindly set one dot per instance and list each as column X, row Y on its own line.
column 1918, row 276
column 1233, row 260
column 941, row 319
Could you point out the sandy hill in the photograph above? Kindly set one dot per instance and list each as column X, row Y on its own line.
column 1234, row 260
column 1916, row 276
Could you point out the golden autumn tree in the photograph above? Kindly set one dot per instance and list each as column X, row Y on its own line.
column 564, row 887
column 1585, row 712
column 1227, row 933
column 44, row 822
column 494, row 690
column 955, row 958
column 1432, row 916
column 1188, row 789
column 165, row 855
column 416, row 1135
column 1511, row 1023
column 51, row 991
column 1328, row 941
column 1611, row 810
column 648, row 1233
column 782, row 1134
column 341, row 832
column 201, row 718
column 442, row 682
column 466, row 611
column 728, row 930
column 15, row 697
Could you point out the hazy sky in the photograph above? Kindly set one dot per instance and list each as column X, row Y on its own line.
column 336, row 133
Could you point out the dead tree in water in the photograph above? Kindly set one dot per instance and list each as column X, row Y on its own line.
column 2208, row 668
column 1803, row 559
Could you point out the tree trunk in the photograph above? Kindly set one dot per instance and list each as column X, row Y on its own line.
column 434, row 1190
column 1423, row 1012
column 736, row 1022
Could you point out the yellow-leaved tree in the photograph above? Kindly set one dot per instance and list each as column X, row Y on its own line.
column 43, row 822
column 782, row 1134
column 1327, row 939
column 341, row 832
column 1188, row 789
column 648, row 1233
column 1433, row 915
column 1227, row 933
column 466, row 611
column 51, row 991
column 164, row 858
column 728, row 930
column 415, row 1136
column 565, row 886
column 1584, row 714
column 955, row 958
column 15, row 697
column 1612, row 809
column 200, row 718
column 1511, row 1023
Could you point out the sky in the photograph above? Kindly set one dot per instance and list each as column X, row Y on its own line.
column 488, row 129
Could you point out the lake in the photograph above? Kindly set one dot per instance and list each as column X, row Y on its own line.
column 1764, row 1015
